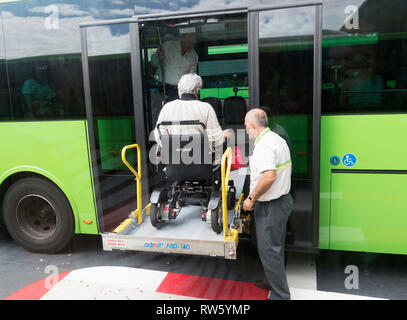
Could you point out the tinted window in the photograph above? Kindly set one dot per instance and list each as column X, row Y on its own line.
column 5, row 110
column 44, row 61
column 286, row 79
column 286, row 74
column 113, row 117
column 364, row 57
column 110, row 70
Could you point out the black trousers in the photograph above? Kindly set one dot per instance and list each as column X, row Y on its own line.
column 271, row 221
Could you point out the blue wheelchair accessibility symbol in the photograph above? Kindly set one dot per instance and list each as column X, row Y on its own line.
column 349, row 160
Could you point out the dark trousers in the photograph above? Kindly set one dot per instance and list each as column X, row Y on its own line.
column 271, row 220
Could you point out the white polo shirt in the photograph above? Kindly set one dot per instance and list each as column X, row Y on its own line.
column 271, row 152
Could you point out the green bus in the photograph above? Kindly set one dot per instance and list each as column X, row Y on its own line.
column 76, row 87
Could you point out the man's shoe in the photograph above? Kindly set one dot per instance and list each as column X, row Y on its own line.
column 262, row 284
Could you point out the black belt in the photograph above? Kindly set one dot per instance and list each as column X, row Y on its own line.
column 284, row 195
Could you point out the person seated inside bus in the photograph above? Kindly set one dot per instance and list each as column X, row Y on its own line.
column 362, row 87
column 176, row 57
column 39, row 98
column 188, row 107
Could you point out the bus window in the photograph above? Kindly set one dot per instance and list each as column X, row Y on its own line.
column 43, row 65
column 47, row 88
column 286, row 80
column 5, row 110
column 364, row 70
column 113, row 117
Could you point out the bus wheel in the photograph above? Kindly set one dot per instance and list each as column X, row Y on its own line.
column 217, row 219
column 38, row 216
column 155, row 217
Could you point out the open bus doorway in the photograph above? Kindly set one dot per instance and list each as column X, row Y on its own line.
column 242, row 53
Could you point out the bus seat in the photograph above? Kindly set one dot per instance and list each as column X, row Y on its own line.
column 234, row 110
column 216, row 104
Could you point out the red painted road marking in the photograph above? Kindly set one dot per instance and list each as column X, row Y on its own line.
column 172, row 283
column 210, row 288
column 34, row 291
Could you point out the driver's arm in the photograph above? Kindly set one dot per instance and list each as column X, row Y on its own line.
column 213, row 129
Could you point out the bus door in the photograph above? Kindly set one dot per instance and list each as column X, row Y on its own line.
column 285, row 77
column 114, row 115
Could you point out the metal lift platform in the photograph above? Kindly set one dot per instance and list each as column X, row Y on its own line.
column 187, row 234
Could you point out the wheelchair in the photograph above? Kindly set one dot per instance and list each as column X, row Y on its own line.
column 191, row 179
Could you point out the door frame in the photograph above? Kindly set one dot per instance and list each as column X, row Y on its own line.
column 137, row 106
column 254, row 89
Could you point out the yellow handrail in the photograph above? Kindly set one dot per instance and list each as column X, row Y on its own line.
column 238, row 202
column 225, row 182
column 137, row 173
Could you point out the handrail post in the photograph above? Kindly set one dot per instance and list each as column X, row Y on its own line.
column 225, row 182
column 138, row 176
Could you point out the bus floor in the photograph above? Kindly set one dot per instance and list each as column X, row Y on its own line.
column 143, row 275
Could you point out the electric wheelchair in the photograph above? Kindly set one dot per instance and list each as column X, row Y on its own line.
column 191, row 179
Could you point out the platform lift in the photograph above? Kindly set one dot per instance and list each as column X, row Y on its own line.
column 188, row 234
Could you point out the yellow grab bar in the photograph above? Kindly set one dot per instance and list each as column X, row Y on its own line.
column 138, row 211
column 238, row 202
column 225, row 182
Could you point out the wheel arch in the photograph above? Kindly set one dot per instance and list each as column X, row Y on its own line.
column 8, row 178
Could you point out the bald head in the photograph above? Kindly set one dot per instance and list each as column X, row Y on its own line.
column 255, row 122
column 257, row 117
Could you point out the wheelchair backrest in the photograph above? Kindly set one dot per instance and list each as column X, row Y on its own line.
column 187, row 157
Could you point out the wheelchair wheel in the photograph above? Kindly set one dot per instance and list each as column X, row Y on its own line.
column 155, row 217
column 217, row 219
column 231, row 199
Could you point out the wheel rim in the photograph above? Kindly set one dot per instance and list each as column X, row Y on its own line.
column 36, row 217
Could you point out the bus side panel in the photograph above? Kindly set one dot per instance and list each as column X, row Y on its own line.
column 362, row 206
column 57, row 150
column 368, row 212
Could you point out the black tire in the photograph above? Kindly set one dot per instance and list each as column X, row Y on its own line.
column 38, row 216
column 231, row 198
column 154, row 216
column 217, row 219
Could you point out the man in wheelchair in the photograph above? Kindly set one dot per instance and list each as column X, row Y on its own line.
column 190, row 142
